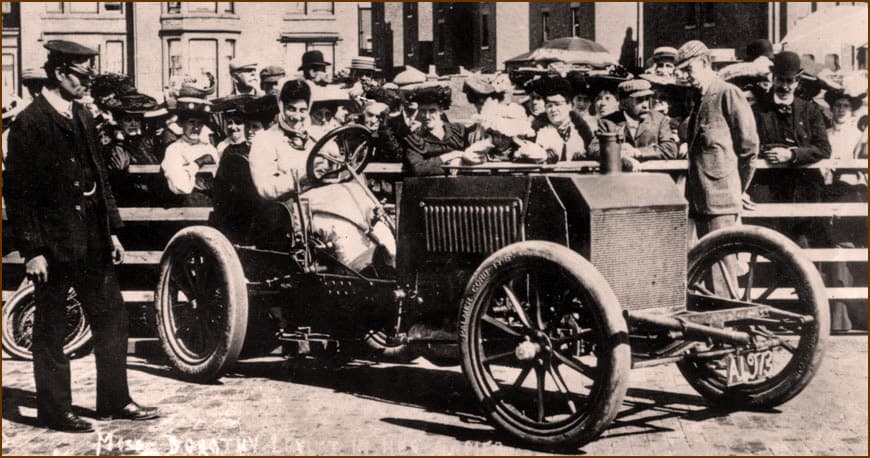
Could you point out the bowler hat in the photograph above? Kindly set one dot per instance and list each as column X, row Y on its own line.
column 787, row 64
column 689, row 51
column 312, row 58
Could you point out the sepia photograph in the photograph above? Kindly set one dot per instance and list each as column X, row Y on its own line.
column 434, row 228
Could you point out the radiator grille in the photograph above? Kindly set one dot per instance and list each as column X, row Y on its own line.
column 642, row 255
column 471, row 227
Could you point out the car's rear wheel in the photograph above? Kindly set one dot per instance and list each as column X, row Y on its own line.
column 544, row 344
column 201, row 303
column 18, row 316
column 760, row 266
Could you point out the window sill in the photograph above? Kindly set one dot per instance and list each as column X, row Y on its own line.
column 308, row 17
column 707, row 25
column 78, row 16
column 170, row 16
column 690, row 27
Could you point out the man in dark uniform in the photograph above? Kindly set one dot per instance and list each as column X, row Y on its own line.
column 62, row 214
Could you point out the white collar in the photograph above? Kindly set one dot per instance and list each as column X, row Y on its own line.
column 61, row 105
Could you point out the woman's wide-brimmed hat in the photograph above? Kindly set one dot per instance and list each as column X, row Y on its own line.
column 192, row 107
column 429, row 93
column 135, row 104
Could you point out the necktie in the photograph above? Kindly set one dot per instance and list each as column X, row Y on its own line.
column 783, row 109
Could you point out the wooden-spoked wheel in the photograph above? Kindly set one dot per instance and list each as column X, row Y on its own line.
column 18, row 318
column 347, row 147
column 201, row 303
column 757, row 265
column 544, row 344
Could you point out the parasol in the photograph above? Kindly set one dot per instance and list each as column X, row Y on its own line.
column 571, row 50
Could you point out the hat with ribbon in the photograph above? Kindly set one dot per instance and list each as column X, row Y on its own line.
column 665, row 54
column 364, row 63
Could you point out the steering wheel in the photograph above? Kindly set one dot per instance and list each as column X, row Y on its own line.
column 342, row 149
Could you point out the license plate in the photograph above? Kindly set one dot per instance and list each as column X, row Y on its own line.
column 749, row 367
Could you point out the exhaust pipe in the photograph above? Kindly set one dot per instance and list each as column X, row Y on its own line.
column 610, row 150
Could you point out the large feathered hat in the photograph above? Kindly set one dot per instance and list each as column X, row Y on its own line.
column 108, row 88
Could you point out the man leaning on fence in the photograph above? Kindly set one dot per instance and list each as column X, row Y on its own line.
column 63, row 215
column 722, row 140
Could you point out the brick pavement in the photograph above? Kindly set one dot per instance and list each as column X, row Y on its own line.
column 269, row 407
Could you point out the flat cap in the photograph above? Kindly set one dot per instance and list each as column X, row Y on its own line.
column 239, row 65
column 635, row 88
column 31, row 73
column 477, row 85
column 68, row 49
column 689, row 51
column 272, row 74
column 664, row 53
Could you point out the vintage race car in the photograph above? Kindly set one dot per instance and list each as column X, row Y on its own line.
column 546, row 286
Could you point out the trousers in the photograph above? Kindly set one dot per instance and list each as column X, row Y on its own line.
column 96, row 284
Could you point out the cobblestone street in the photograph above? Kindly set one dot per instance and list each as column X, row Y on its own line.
column 269, row 407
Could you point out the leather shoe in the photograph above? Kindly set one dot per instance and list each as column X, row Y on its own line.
column 69, row 422
column 131, row 411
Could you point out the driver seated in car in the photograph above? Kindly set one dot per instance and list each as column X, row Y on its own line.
column 342, row 213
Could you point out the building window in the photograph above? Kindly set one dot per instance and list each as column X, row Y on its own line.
column 202, row 59
column 83, row 7
column 174, row 60
column 230, row 50
column 173, row 7
column 320, row 7
column 545, row 24
column 7, row 7
column 9, row 74
column 112, row 6
column 202, row 7
column 228, row 7
column 575, row 21
column 365, row 32
column 52, row 7
column 484, row 30
column 114, row 57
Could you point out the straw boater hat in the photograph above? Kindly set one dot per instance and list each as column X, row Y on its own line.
column 364, row 63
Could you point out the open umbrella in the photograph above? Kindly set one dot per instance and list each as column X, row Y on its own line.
column 571, row 50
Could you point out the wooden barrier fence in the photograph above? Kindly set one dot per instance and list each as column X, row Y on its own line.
column 149, row 257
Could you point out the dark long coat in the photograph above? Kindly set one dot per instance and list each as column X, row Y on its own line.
column 42, row 189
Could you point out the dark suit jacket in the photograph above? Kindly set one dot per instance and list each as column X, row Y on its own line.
column 423, row 150
column 41, row 185
column 723, row 142
column 654, row 138
column 810, row 146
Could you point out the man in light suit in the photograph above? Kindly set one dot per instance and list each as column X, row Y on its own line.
column 723, row 142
